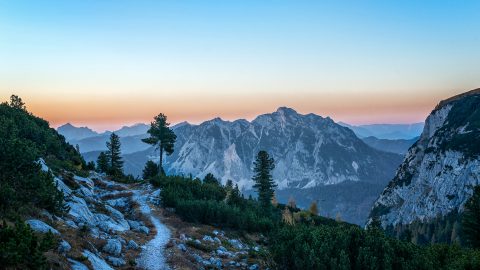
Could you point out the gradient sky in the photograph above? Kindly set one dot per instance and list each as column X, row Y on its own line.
column 109, row 63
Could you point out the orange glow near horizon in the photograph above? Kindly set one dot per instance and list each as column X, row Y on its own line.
column 101, row 112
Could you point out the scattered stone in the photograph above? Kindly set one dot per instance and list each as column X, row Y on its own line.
column 97, row 262
column 253, row 267
column 208, row 238
column 183, row 237
column 256, row 248
column 84, row 180
column 85, row 192
column 120, row 202
column 134, row 225
column 216, row 261
column 144, row 229
column 182, row 247
column 123, row 241
column 197, row 257
column 107, row 224
column 95, row 232
column 77, row 265
column 113, row 247
column 64, row 247
column 40, row 226
column 71, row 223
column 197, row 242
column 236, row 243
column 132, row 245
column 116, row 261
column 80, row 211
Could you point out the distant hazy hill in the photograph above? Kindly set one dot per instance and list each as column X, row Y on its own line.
column 71, row 132
column 387, row 131
column 137, row 129
column 398, row 146
column 88, row 140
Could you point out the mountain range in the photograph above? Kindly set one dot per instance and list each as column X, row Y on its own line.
column 316, row 158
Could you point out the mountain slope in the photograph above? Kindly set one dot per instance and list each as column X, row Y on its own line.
column 441, row 169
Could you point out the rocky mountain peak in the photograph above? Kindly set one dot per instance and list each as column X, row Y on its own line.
column 286, row 110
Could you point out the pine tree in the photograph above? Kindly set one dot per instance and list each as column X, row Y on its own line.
column 471, row 219
column 161, row 136
column 235, row 197
column 229, row 185
column 17, row 103
column 210, row 179
column 150, row 170
column 102, row 163
column 114, row 156
column 90, row 166
column 264, row 183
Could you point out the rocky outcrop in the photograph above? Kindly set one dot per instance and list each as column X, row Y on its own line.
column 440, row 170
column 97, row 262
column 113, row 247
column 99, row 223
column 40, row 226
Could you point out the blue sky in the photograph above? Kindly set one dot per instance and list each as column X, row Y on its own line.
column 356, row 61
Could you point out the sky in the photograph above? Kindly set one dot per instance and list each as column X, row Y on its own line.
column 106, row 64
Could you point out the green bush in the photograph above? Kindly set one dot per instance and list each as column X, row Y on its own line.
column 20, row 248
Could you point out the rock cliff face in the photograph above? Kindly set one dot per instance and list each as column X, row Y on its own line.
column 309, row 151
column 441, row 169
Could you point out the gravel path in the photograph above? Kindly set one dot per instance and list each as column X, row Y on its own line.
column 152, row 257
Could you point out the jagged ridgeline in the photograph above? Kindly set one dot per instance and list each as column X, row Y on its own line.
column 24, row 139
column 438, row 175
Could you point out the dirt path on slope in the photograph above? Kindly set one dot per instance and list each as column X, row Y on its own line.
column 152, row 256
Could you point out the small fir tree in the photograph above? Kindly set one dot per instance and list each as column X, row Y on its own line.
column 210, row 179
column 114, row 156
column 150, row 170
column 102, row 163
column 264, row 182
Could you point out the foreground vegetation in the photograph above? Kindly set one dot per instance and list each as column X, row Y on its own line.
column 24, row 186
column 300, row 239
